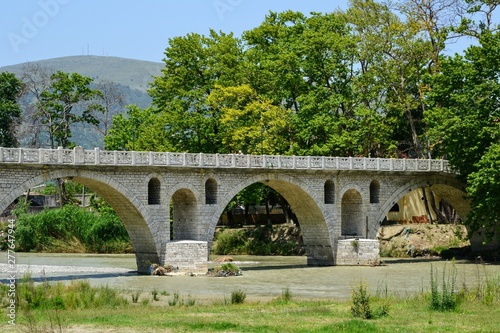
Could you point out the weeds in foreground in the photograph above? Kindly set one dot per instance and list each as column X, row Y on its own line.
column 75, row 295
column 361, row 306
column 445, row 299
column 155, row 293
column 286, row 295
column 175, row 300
column 238, row 297
column 135, row 296
column 56, row 323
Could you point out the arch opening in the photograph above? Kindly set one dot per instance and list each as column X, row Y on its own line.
column 431, row 211
column 374, row 192
column 184, row 213
column 329, row 191
column 154, row 190
column 134, row 215
column 352, row 216
column 211, row 192
column 307, row 214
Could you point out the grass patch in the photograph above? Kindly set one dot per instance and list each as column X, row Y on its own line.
column 81, row 307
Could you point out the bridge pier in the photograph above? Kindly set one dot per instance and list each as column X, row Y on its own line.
column 187, row 256
column 354, row 251
column 320, row 255
column 144, row 261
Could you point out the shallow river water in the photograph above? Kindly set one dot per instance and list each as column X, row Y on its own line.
column 263, row 277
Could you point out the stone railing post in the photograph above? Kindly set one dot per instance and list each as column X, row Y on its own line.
column 78, row 155
column 60, row 155
column 97, row 155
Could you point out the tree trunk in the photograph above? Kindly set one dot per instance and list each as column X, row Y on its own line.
column 441, row 217
column 426, row 203
column 268, row 213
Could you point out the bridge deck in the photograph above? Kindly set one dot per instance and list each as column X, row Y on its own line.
column 201, row 160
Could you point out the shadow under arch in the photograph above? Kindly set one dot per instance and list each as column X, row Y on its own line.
column 132, row 212
column 185, row 213
column 451, row 189
column 304, row 203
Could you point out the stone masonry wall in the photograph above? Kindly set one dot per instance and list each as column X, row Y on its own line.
column 351, row 252
column 186, row 256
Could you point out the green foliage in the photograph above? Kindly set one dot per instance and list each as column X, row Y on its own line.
column 253, row 241
column 360, row 306
column 10, row 111
column 140, row 130
column 58, row 103
column 229, row 241
column 484, row 189
column 464, row 124
column 57, row 229
column 238, row 297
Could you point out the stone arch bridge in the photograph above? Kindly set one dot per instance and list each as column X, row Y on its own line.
column 337, row 200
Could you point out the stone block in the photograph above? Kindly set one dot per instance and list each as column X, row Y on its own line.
column 186, row 256
column 362, row 252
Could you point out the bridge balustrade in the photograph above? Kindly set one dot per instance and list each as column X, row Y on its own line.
column 139, row 158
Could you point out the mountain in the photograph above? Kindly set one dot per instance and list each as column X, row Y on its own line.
column 136, row 74
column 131, row 78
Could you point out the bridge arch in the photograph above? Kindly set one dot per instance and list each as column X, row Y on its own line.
column 451, row 189
column 352, row 214
column 317, row 233
column 144, row 232
column 185, row 199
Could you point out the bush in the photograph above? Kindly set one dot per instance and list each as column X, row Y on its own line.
column 52, row 230
column 255, row 241
column 238, row 297
column 360, row 307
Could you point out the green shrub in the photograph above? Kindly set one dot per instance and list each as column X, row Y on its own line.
column 68, row 227
column 229, row 241
column 360, row 306
column 238, row 297
column 254, row 241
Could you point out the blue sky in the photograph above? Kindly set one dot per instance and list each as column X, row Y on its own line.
column 33, row 30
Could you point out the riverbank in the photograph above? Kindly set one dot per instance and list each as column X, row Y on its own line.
column 264, row 277
column 160, row 304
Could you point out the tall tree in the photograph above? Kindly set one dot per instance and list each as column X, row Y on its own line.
column 464, row 117
column 140, row 130
column 36, row 79
column 67, row 101
column 193, row 65
column 10, row 111
column 249, row 123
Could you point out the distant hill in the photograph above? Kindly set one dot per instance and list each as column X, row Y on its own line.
column 130, row 76
column 136, row 74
